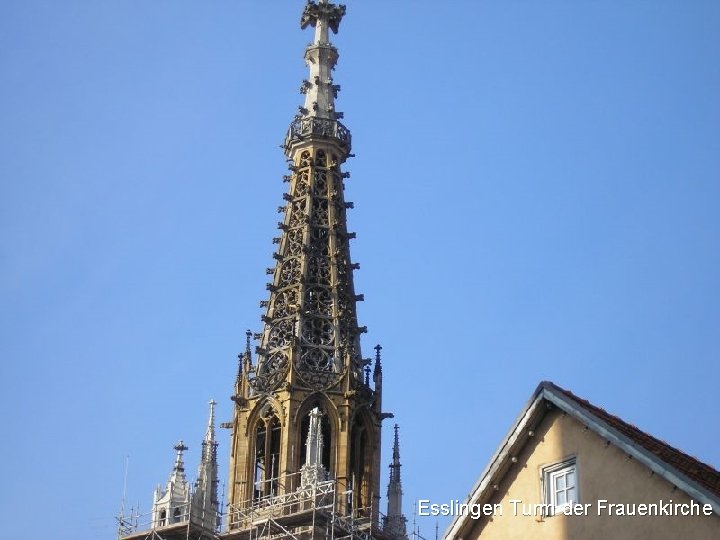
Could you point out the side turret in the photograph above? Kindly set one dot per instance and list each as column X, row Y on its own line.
column 171, row 505
column 180, row 502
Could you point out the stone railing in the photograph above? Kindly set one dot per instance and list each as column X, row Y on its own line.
column 303, row 127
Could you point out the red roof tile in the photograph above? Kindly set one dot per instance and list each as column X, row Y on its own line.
column 701, row 473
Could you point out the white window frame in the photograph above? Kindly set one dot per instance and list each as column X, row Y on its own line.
column 550, row 493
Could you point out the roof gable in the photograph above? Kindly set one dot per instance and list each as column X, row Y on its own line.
column 699, row 480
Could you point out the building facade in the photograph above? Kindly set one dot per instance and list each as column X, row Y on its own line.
column 570, row 470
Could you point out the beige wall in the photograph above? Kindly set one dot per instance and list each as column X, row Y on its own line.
column 604, row 472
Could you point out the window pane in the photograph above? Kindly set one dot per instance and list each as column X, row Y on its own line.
column 570, row 477
column 560, row 481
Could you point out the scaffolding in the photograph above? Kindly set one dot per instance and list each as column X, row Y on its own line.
column 182, row 522
column 310, row 512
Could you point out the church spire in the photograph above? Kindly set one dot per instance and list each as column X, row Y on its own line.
column 395, row 522
column 310, row 321
column 310, row 382
column 205, row 501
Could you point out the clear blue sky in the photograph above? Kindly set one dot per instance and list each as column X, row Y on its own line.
column 537, row 189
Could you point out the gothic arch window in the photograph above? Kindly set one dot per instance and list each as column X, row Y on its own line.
column 305, row 160
column 326, row 435
column 360, row 467
column 176, row 515
column 163, row 517
column 321, row 158
column 266, row 465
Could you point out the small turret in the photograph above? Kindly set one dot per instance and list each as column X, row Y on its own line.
column 171, row 505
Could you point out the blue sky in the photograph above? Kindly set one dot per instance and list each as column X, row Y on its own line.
column 537, row 196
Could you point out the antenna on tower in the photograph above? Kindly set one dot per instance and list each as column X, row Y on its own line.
column 414, row 527
column 121, row 516
column 222, row 505
column 124, row 492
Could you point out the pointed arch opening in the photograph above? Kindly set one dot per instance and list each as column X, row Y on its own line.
column 361, row 460
column 326, row 436
column 329, row 427
column 266, row 463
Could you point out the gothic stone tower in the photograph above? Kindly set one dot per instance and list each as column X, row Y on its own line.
column 309, row 357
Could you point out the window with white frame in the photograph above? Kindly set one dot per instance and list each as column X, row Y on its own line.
column 561, row 485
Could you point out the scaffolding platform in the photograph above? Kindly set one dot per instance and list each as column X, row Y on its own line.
column 309, row 512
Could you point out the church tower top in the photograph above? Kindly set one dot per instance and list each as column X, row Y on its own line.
column 308, row 412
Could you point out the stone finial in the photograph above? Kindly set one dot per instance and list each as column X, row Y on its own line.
column 378, row 363
column 179, row 464
column 322, row 14
column 313, row 470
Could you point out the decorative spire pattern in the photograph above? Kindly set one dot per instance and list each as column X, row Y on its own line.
column 395, row 522
column 310, row 323
column 310, row 380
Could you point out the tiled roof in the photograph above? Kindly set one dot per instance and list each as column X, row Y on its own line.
column 697, row 471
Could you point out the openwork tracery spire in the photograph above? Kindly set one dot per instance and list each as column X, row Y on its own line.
column 309, row 409
column 311, row 335
column 307, row 414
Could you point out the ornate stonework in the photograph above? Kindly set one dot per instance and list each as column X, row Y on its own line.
column 309, row 356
